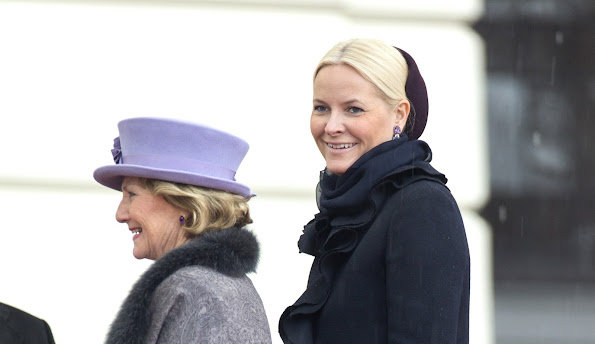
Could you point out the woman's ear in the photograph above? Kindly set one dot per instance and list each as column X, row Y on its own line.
column 402, row 113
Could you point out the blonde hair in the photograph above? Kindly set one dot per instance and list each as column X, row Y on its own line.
column 208, row 209
column 376, row 61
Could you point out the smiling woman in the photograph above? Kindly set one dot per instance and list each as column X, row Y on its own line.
column 391, row 262
column 151, row 219
column 185, row 210
column 349, row 118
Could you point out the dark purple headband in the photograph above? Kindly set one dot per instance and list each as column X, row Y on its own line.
column 415, row 89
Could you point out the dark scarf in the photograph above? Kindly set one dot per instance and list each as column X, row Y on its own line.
column 233, row 252
column 348, row 204
column 348, row 200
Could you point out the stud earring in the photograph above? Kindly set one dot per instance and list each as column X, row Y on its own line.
column 182, row 220
column 396, row 132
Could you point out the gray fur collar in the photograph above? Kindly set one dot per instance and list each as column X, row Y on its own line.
column 233, row 252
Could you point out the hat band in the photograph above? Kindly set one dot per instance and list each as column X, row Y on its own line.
column 179, row 164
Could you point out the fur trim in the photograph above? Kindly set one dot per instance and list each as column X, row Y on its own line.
column 233, row 252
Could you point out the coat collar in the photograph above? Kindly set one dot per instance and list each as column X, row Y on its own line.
column 351, row 200
column 232, row 252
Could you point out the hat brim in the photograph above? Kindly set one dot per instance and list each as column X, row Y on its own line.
column 112, row 176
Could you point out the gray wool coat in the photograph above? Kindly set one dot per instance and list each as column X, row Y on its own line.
column 197, row 293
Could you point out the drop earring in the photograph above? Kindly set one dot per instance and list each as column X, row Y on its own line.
column 396, row 132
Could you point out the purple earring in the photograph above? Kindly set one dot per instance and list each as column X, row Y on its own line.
column 182, row 220
column 396, row 132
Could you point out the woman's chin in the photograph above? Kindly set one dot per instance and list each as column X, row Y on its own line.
column 339, row 165
column 338, row 169
column 137, row 253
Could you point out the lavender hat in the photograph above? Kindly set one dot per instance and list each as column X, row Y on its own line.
column 175, row 151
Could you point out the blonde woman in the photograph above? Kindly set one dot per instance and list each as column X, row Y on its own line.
column 391, row 262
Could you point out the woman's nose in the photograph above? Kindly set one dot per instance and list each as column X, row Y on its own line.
column 335, row 125
column 122, row 212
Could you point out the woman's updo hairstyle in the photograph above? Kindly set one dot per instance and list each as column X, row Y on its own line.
column 208, row 209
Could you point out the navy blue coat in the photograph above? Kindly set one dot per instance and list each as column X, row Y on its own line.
column 19, row 327
column 391, row 257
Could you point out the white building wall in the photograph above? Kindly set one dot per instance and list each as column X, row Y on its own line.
column 69, row 71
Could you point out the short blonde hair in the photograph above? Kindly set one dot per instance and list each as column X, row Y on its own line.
column 208, row 209
column 376, row 61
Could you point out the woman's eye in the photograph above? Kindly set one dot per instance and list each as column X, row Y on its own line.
column 320, row 108
column 354, row 110
column 130, row 194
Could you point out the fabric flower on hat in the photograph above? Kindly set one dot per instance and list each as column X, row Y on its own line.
column 117, row 151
